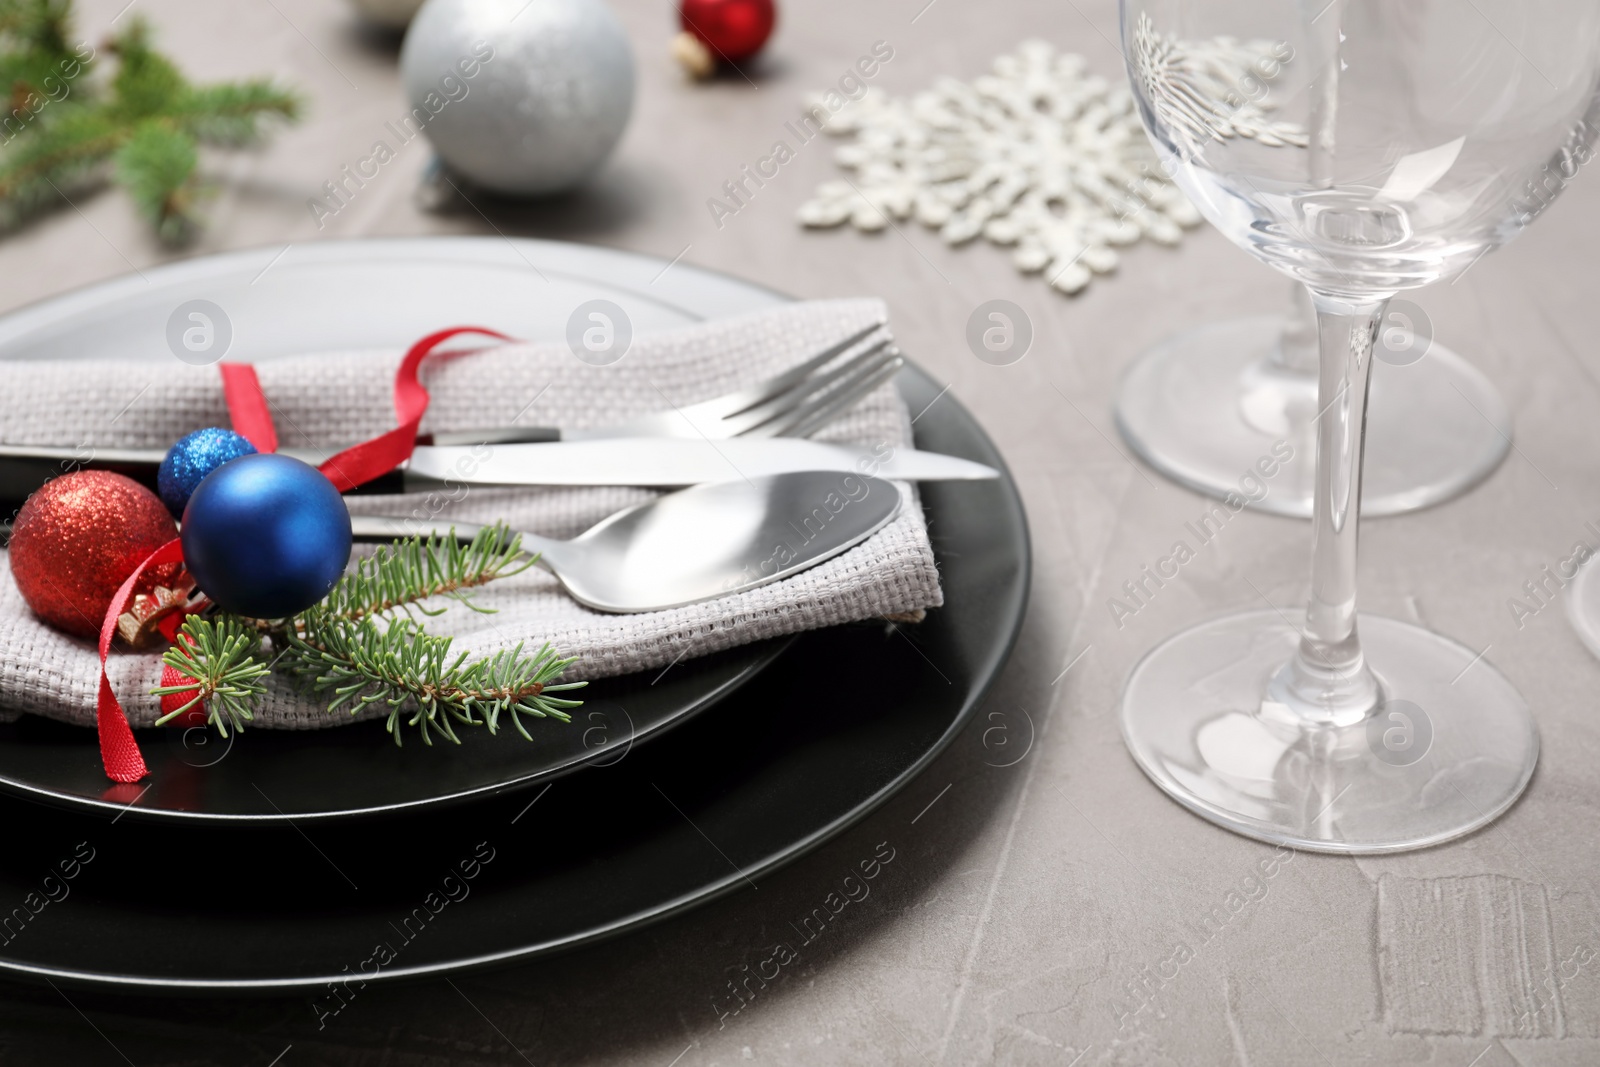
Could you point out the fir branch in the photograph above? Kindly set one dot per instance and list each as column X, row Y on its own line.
column 400, row 665
column 149, row 124
column 50, row 149
column 222, row 657
column 146, row 82
column 29, row 72
column 40, row 26
column 398, row 577
column 156, row 166
column 35, row 57
column 232, row 116
column 42, row 166
column 363, row 645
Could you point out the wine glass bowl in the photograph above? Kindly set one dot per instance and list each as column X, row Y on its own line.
column 1378, row 147
column 1454, row 125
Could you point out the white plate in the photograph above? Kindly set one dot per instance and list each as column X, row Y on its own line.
column 376, row 293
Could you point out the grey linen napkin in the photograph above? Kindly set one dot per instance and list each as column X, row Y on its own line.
column 334, row 400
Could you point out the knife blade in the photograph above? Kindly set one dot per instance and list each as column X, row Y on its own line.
column 641, row 461
column 673, row 461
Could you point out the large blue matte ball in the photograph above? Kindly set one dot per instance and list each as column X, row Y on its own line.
column 266, row 536
column 196, row 455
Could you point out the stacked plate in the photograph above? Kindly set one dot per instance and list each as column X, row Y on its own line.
column 289, row 860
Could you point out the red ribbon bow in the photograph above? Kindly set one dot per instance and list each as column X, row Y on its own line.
column 251, row 415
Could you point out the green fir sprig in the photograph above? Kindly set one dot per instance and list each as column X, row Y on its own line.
column 365, row 645
column 402, row 575
column 63, row 131
column 403, row 667
column 223, row 656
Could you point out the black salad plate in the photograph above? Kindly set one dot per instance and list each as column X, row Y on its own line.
column 357, row 770
column 714, row 804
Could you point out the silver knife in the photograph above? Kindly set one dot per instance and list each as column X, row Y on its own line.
column 672, row 461
column 643, row 461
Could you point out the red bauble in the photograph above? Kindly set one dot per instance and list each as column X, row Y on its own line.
column 76, row 541
column 733, row 29
column 171, row 702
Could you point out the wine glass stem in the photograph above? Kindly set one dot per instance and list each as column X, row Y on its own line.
column 1328, row 682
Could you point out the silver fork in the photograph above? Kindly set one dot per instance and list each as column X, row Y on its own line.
column 792, row 404
column 795, row 403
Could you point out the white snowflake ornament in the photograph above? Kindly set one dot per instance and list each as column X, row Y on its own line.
column 1039, row 156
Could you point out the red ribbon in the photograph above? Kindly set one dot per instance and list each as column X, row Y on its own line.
column 370, row 459
column 118, row 750
column 252, row 419
column 247, row 406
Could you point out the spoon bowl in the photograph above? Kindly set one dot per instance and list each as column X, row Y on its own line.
column 698, row 543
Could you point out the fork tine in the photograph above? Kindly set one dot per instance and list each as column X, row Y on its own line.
column 836, row 405
column 819, row 409
column 834, row 408
column 819, row 383
column 745, row 399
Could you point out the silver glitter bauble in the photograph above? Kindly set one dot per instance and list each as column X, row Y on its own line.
column 549, row 93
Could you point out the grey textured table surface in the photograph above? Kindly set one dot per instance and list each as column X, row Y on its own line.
column 1032, row 912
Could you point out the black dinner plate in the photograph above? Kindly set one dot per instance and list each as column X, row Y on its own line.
column 840, row 721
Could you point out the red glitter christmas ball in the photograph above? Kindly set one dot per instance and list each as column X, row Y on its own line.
column 76, row 541
column 733, row 29
column 171, row 702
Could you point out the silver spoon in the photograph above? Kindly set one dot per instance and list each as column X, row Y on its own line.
column 697, row 543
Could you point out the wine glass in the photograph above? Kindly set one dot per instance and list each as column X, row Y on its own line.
column 1579, row 576
column 1399, row 142
column 1201, row 407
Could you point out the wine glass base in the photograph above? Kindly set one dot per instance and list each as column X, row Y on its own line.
column 1450, row 749
column 1583, row 605
column 1435, row 427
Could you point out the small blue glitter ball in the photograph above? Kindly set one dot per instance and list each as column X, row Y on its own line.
column 189, row 461
column 266, row 536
